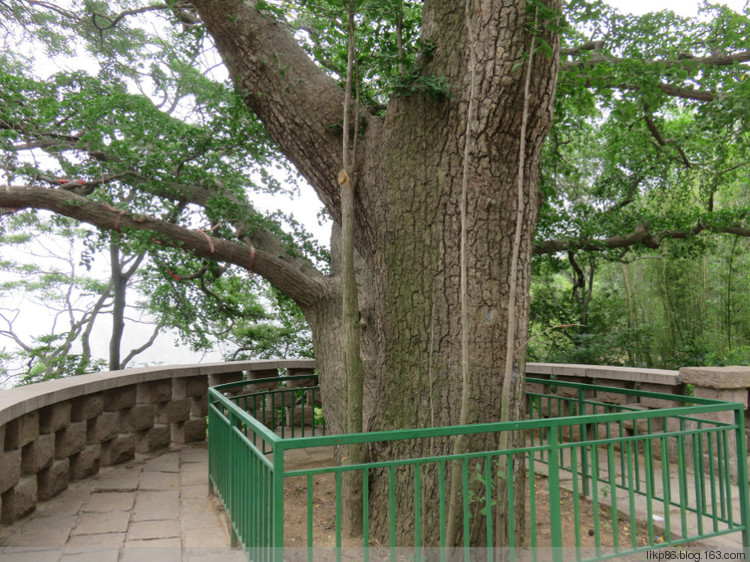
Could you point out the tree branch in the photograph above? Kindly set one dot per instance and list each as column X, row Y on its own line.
column 640, row 236
column 299, row 104
column 266, row 257
column 687, row 62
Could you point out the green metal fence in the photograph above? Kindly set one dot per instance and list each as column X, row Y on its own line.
column 604, row 480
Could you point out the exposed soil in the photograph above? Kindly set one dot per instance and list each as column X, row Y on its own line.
column 324, row 520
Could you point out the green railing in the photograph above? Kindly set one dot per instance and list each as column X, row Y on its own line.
column 619, row 479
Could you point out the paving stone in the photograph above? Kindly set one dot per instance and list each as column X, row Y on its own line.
column 168, row 462
column 43, row 532
column 98, row 523
column 150, row 506
column 90, row 554
column 192, row 477
column 103, row 502
column 38, row 454
column 14, row 554
column 68, row 502
column 143, row 530
column 160, row 481
column 167, row 550
column 194, row 453
column 197, row 506
column 193, row 521
column 215, row 554
column 194, row 491
column 208, row 536
column 108, row 540
column 121, row 479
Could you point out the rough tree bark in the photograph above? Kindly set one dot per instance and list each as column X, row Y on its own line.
column 409, row 187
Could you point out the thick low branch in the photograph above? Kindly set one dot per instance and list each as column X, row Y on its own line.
column 299, row 105
column 267, row 258
column 640, row 236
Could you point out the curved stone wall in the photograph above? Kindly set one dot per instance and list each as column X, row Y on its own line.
column 66, row 429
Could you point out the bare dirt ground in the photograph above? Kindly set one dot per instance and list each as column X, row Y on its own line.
column 324, row 519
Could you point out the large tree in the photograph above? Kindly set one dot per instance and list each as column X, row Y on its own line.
column 449, row 142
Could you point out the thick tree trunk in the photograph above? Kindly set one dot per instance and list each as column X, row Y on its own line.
column 408, row 230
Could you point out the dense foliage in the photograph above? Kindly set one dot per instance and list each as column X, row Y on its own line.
column 641, row 244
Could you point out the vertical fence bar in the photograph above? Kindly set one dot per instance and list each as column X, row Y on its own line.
column 277, row 502
column 554, row 495
column 742, row 476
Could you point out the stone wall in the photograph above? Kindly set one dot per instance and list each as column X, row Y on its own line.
column 66, row 429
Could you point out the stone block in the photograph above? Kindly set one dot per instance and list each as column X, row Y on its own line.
column 281, row 399
column 190, row 387
column 535, row 388
column 22, row 430
column 716, row 377
column 723, row 394
column 10, row 469
column 157, row 437
column 137, row 418
column 54, row 479
column 222, row 378
column 199, row 407
column 189, row 431
column 119, row 449
column 20, row 500
column 174, row 411
column 103, row 427
column 300, row 415
column 659, row 403
column 119, row 398
column 313, row 397
column 55, row 417
column 611, row 397
column 87, row 462
column 70, row 440
column 38, row 454
column 154, row 392
column 87, row 407
column 271, row 418
column 2, row 439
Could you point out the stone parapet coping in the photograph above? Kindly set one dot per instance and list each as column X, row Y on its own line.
column 18, row 401
column 604, row 373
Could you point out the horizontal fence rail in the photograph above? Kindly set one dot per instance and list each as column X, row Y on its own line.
column 603, row 480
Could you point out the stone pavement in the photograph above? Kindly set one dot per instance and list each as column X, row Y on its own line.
column 155, row 509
